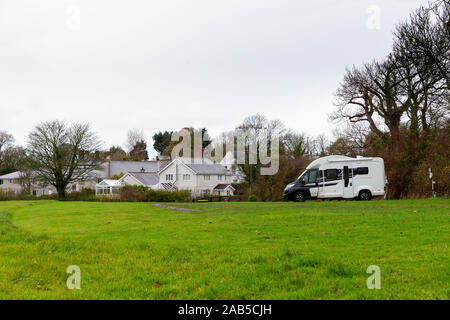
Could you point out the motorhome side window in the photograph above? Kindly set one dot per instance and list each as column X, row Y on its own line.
column 320, row 177
column 331, row 174
column 360, row 171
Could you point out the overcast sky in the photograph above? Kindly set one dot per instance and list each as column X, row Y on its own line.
column 163, row 65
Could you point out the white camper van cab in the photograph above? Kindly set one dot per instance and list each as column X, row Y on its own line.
column 339, row 177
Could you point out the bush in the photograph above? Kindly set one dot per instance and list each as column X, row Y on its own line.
column 84, row 195
column 11, row 195
column 166, row 196
column 53, row 196
column 252, row 198
column 144, row 194
column 7, row 195
column 133, row 193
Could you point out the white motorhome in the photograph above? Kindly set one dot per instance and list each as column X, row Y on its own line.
column 339, row 177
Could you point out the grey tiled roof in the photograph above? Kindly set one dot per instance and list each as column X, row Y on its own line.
column 209, row 169
column 147, row 179
column 117, row 167
column 206, row 167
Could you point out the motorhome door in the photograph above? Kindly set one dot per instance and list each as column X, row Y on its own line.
column 310, row 179
column 347, row 176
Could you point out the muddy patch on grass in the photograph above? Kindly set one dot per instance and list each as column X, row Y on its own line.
column 175, row 208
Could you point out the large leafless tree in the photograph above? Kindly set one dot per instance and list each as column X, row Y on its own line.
column 11, row 156
column 62, row 153
column 410, row 87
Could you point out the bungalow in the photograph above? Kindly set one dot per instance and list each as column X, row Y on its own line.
column 112, row 187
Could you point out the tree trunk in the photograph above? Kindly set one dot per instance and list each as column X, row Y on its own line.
column 61, row 189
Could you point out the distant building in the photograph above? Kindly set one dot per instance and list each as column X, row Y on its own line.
column 15, row 182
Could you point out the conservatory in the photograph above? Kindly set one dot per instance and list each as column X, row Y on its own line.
column 108, row 188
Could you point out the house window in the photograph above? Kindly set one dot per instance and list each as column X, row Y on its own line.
column 99, row 180
column 186, row 177
column 169, row 177
column 207, row 178
column 34, row 193
column 1, row 181
column 219, row 177
column 74, row 187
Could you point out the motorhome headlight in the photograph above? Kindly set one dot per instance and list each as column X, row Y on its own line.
column 290, row 185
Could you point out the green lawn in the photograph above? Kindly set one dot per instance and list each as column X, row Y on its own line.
column 312, row 250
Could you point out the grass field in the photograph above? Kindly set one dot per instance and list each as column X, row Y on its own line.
column 313, row 250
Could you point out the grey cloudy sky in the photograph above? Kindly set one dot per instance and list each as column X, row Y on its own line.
column 157, row 65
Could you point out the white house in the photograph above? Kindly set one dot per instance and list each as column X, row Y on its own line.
column 199, row 176
column 14, row 182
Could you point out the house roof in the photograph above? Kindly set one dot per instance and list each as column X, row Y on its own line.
column 110, row 183
column 205, row 166
column 146, row 178
column 118, row 167
column 223, row 186
column 12, row 175
column 214, row 168
column 201, row 166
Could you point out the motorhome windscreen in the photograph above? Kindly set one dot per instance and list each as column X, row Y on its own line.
column 301, row 176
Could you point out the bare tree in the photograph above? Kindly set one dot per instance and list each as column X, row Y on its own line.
column 259, row 125
column 423, row 40
column 294, row 143
column 60, row 154
column 6, row 140
column 322, row 143
column 11, row 156
column 370, row 94
column 134, row 136
column 409, row 88
column 422, row 52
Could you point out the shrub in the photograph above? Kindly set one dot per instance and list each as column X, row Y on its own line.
column 7, row 195
column 133, row 193
column 140, row 193
column 53, row 196
column 252, row 198
column 84, row 195
column 166, row 196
